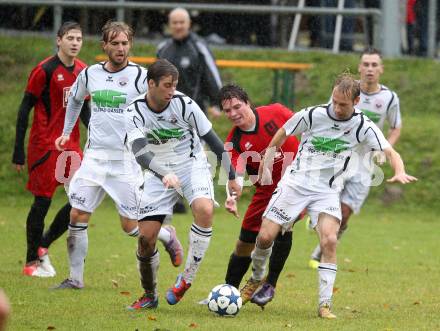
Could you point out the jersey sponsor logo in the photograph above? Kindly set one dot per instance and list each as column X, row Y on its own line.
column 60, row 77
column 77, row 199
column 271, row 128
column 333, row 145
column 66, row 92
column 335, row 127
column 248, row 145
column 280, row 213
column 163, row 135
column 374, row 117
column 109, row 79
column 185, row 62
column 109, row 98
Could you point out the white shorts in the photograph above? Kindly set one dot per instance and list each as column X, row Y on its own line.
column 120, row 179
column 288, row 202
column 354, row 194
column 195, row 181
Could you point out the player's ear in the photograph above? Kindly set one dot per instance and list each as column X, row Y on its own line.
column 103, row 45
column 356, row 100
column 58, row 41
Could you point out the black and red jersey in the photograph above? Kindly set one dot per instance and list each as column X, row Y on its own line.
column 49, row 82
column 245, row 143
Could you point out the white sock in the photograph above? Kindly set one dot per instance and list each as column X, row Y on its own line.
column 199, row 239
column 134, row 232
column 77, row 245
column 164, row 236
column 326, row 278
column 259, row 260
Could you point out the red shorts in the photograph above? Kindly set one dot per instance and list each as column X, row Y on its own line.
column 42, row 164
column 253, row 217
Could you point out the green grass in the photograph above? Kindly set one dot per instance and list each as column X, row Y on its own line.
column 387, row 278
column 388, row 261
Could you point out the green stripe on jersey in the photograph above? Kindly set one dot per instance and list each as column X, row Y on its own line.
column 324, row 144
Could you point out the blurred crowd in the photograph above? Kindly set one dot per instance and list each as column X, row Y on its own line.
column 245, row 29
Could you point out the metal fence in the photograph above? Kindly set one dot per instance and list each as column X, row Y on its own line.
column 386, row 22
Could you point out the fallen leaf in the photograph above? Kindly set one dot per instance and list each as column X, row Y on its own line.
column 288, row 325
column 50, row 327
column 386, row 306
column 115, row 283
column 125, row 293
column 335, row 289
column 354, row 311
column 193, row 325
column 417, row 302
column 152, row 318
column 290, row 275
column 351, row 270
column 347, row 307
column 347, row 260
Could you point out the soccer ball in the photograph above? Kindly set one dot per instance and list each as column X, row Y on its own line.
column 224, row 300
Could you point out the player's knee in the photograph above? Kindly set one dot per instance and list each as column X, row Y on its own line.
column 146, row 245
column 264, row 239
column 128, row 226
column 329, row 241
column 203, row 209
column 243, row 248
column 78, row 216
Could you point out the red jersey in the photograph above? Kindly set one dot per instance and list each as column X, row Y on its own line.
column 50, row 82
column 245, row 143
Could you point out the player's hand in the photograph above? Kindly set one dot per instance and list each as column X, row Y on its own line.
column 18, row 167
column 171, row 181
column 402, row 178
column 264, row 174
column 231, row 205
column 379, row 157
column 214, row 112
column 61, row 141
column 234, row 188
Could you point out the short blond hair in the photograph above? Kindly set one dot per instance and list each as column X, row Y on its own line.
column 112, row 28
column 348, row 85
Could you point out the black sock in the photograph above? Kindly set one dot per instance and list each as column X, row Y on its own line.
column 280, row 252
column 58, row 226
column 237, row 267
column 35, row 226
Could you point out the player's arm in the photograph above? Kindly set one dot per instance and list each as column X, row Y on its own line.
column 217, row 146
column 395, row 120
column 27, row 103
column 85, row 113
column 145, row 158
column 396, row 162
column 296, row 125
column 75, row 103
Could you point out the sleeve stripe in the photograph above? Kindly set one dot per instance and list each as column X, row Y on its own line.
column 137, row 79
column 359, row 128
column 391, row 101
column 210, row 63
column 138, row 111
column 375, row 134
column 86, row 73
column 299, row 122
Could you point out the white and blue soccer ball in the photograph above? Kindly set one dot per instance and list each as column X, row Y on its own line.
column 224, row 300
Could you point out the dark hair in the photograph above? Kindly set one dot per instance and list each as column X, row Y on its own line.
column 231, row 91
column 162, row 68
column 371, row 51
column 112, row 28
column 66, row 27
column 348, row 85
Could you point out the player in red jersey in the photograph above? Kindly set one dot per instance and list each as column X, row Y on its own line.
column 47, row 91
column 253, row 130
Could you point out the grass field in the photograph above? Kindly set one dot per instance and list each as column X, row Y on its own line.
column 388, row 277
column 389, row 266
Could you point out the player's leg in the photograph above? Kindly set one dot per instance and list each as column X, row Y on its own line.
column 198, row 190
column 42, row 185
column 61, row 221
column 240, row 259
column 85, row 195
column 327, row 228
column 199, row 239
column 148, row 261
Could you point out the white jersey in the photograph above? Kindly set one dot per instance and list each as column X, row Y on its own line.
column 327, row 145
column 111, row 93
column 173, row 133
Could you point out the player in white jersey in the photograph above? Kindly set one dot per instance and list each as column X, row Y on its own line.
column 107, row 167
column 163, row 130
column 330, row 135
column 380, row 105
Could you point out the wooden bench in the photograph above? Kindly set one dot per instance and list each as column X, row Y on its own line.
column 283, row 88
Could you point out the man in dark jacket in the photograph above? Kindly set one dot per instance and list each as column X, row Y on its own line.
column 198, row 74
